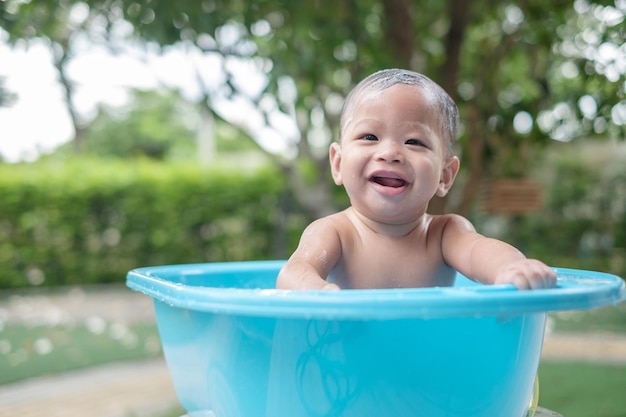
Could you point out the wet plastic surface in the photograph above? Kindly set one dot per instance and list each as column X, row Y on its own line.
column 248, row 288
column 237, row 347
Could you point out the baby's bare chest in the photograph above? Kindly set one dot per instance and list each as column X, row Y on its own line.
column 392, row 263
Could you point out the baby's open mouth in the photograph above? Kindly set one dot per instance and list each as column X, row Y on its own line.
column 388, row 181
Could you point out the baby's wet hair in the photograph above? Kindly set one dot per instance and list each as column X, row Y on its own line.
column 381, row 80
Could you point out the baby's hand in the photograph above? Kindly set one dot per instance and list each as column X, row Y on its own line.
column 527, row 274
column 331, row 287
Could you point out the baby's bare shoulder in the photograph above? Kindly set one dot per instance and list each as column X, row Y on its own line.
column 441, row 222
column 335, row 221
column 336, row 224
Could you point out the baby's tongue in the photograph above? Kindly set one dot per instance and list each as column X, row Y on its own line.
column 389, row 182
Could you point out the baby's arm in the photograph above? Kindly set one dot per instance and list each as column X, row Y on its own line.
column 491, row 261
column 317, row 253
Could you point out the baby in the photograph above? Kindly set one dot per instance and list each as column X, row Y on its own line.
column 394, row 154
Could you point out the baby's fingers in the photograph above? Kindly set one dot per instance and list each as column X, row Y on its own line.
column 542, row 277
column 530, row 274
column 331, row 287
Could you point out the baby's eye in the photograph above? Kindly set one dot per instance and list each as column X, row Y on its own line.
column 416, row 142
column 369, row 136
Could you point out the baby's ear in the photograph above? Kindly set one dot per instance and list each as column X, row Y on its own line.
column 334, row 154
column 448, row 174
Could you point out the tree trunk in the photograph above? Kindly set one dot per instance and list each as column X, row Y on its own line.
column 458, row 15
column 400, row 31
column 475, row 152
column 60, row 59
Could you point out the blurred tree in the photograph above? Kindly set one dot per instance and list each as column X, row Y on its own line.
column 58, row 23
column 6, row 97
column 159, row 125
column 152, row 125
column 522, row 71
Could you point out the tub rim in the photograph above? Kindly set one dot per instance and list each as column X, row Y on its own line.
column 576, row 290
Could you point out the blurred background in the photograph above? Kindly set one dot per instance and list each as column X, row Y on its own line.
column 137, row 133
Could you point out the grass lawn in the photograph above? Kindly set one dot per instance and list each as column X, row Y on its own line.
column 29, row 351
column 583, row 390
column 578, row 389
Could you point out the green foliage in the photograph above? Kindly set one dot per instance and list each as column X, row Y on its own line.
column 583, row 220
column 152, row 125
column 91, row 221
column 228, row 139
column 159, row 125
column 25, row 20
column 511, row 52
column 499, row 59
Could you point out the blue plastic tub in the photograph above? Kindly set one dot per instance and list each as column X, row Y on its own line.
column 236, row 347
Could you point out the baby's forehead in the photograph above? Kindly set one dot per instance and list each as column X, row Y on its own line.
column 374, row 94
column 377, row 95
column 375, row 91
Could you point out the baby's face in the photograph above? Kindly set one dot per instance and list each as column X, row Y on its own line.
column 392, row 158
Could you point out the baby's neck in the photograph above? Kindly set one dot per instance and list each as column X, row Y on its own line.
column 391, row 230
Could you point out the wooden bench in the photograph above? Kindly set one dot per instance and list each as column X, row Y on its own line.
column 511, row 196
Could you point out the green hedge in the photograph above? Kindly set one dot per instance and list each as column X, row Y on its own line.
column 583, row 222
column 91, row 221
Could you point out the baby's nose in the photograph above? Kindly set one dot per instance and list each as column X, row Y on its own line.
column 389, row 152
